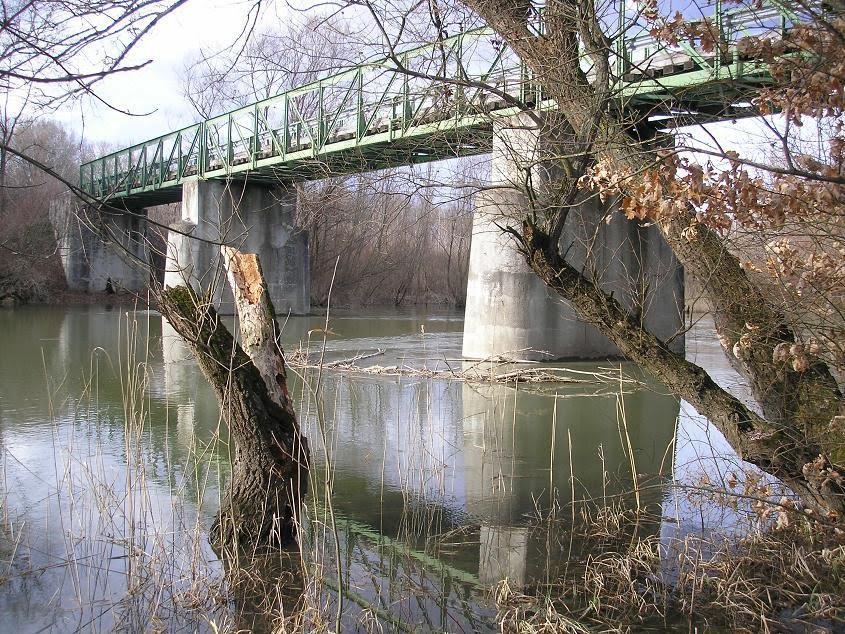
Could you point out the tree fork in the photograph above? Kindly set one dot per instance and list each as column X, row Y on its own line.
column 270, row 455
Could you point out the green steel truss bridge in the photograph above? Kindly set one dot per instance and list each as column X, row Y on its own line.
column 375, row 115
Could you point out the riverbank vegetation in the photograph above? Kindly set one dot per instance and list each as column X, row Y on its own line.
column 30, row 270
column 786, row 575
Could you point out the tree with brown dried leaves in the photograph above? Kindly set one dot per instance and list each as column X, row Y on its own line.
column 719, row 218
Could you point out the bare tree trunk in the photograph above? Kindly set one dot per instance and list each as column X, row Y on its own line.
column 778, row 447
column 270, row 456
column 789, row 441
column 3, row 163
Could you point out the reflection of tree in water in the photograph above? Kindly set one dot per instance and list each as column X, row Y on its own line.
column 418, row 458
column 266, row 590
column 447, row 470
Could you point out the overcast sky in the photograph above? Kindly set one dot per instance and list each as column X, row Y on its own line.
column 154, row 92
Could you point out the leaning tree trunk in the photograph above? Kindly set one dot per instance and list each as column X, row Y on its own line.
column 791, row 440
column 270, row 455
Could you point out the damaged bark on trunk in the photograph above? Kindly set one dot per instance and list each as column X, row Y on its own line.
column 269, row 454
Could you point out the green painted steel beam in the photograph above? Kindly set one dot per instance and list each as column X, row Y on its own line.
column 374, row 115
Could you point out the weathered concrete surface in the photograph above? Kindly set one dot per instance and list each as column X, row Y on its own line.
column 254, row 219
column 101, row 249
column 511, row 313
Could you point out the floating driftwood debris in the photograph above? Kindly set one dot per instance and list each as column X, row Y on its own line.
column 485, row 371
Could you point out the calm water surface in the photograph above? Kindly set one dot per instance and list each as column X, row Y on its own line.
column 113, row 458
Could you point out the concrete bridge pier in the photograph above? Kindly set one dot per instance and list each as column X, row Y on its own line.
column 101, row 249
column 511, row 313
column 253, row 218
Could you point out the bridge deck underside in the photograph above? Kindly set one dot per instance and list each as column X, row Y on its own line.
column 381, row 151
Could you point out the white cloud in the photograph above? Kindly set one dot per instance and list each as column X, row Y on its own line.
column 154, row 92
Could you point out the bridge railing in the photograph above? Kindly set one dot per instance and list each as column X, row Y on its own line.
column 443, row 86
column 640, row 55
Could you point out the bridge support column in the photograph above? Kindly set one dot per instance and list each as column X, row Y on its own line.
column 509, row 310
column 253, row 218
column 101, row 249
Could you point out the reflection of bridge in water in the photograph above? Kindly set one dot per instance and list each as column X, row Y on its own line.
column 414, row 458
column 461, row 96
column 452, row 454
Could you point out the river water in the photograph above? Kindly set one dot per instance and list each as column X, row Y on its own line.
column 114, row 456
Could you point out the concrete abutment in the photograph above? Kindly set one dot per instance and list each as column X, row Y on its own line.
column 101, row 249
